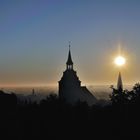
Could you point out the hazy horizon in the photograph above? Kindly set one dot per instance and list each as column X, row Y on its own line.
column 99, row 91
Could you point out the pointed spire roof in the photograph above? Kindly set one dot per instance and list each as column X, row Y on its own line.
column 69, row 61
column 120, row 84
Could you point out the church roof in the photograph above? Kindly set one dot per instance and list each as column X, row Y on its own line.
column 69, row 61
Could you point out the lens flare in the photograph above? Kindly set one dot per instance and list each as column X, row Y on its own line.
column 119, row 61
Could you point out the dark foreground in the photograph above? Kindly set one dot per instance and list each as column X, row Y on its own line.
column 54, row 119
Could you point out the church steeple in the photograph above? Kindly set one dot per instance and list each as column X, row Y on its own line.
column 120, row 84
column 69, row 62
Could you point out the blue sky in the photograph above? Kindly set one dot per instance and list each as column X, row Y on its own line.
column 34, row 37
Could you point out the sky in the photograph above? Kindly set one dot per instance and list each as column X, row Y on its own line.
column 34, row 36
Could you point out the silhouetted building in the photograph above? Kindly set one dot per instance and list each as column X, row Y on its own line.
column 120, row 83
column 70, row 88
column 33, row 91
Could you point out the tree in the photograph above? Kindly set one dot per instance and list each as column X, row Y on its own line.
column 135, row 93
column 119, row 96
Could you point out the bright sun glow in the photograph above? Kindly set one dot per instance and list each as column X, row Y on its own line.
column 119, row 60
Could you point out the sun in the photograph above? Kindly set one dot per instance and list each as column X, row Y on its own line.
column 119, row 61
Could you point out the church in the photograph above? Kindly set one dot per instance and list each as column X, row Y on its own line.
column 70, row 88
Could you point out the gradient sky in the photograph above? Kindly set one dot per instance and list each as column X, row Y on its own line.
column 34, row 37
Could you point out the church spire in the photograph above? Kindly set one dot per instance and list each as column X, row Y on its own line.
column 120, row 84
column 69, row 62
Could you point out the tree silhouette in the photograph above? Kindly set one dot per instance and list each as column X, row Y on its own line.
column 55, row 118
column 119, row 96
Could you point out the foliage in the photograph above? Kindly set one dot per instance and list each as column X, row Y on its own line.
column 55, row 119
column 125, row 96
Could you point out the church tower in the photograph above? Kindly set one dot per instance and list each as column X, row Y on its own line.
column 120, row 83
column 69, row 82
column 69, row 63
column 70, row 88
